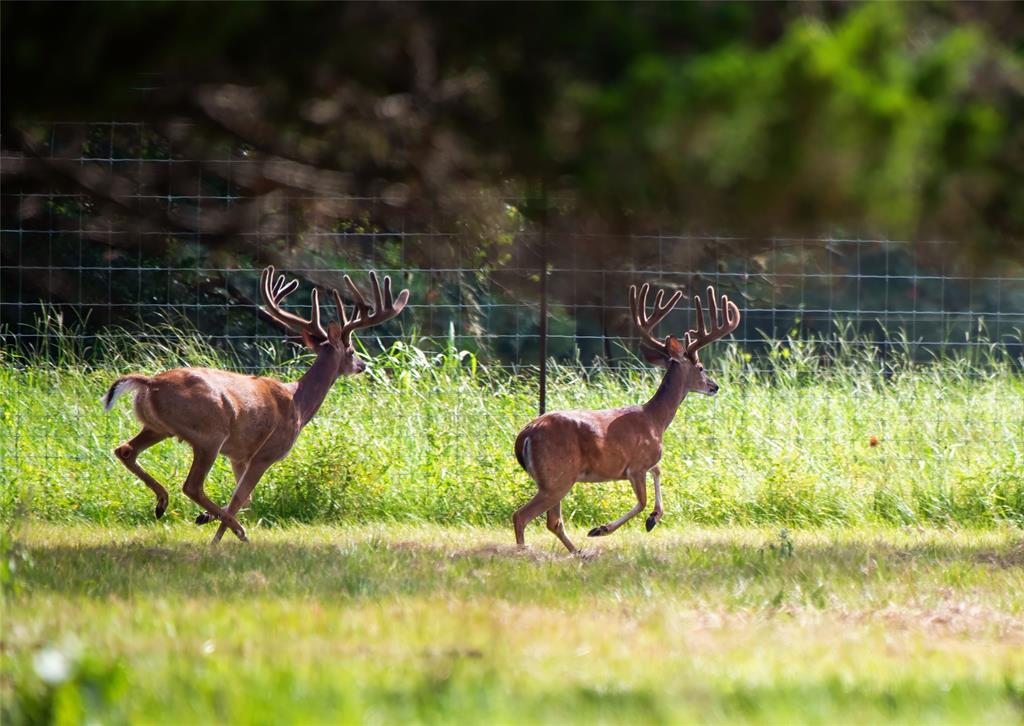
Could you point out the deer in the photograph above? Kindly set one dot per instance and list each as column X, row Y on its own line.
column 253, row 421
column 560, row 448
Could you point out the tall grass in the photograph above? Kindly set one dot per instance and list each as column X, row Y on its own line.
column 814, row 432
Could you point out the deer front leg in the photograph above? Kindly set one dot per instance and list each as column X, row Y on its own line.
column 238, row 468
column 658, row 512
column 243, row 492
column 193, row 488
column 127, row 452
column 639, row 482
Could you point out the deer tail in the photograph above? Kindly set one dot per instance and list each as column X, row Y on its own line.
column 523, row 449
column 123, row 385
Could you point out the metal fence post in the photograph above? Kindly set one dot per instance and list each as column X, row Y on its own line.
column 543, row 393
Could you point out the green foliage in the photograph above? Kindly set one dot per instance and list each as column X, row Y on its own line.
column 840, row 122
column 875, row 118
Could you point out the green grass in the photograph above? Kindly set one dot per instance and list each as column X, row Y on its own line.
column 393, row 623
column 428, row 438
column 381, row 585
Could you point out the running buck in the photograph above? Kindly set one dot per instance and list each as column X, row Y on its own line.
column 561, row 448
column 252, row 420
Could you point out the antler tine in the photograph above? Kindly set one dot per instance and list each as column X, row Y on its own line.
column 663, row 309
column 274, row 291
column 356, row 295
column 701, row 329
column 385, row 306
column 314, row 321
column 732, row 312
column 378, row 300
column 638, row 306
column 340, row 304
column 282, row 289
column 724, row 320
column 645, row 322
column 715, row 314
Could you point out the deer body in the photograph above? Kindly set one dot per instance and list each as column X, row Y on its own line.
column 252, row 420
column 245, row 414
column 561, row 448
column 604, row 445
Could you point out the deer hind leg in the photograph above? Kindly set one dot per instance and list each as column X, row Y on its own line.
column 542, row 501
column 243, row 491
column 193, row 488
column 556, row 525
column 129, row 451
column 657, row 513
column 639, row 482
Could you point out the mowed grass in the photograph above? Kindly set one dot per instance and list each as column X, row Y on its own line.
column 398, row 623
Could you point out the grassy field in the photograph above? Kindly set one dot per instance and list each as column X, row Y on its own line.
column 428, row 438
column 392, row 623
column 381, row 585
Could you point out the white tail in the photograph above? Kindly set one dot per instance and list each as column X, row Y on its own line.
column 122, row 386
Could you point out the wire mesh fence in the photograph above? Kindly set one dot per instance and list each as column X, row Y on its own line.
column 164, row 242
column 164, row 254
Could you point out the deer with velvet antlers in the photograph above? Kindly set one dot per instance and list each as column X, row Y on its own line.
column 252, row 420
column 561, row 448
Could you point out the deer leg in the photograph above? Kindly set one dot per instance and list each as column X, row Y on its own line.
column 639, row 483
column 238, row 469
column 127, row 452
column 193, row 488
column 243, row 492
column 657, row 513
column 541, row 502
column 555, row 525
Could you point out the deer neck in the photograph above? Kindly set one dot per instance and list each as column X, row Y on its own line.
column 312, row 388
column 663, row 405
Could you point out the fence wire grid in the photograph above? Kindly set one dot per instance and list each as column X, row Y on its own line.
column 63, row 253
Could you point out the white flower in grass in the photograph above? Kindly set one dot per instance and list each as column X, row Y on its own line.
column 51, row 666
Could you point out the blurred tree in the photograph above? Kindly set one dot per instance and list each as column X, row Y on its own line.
column 756, row 119
column 895, row 118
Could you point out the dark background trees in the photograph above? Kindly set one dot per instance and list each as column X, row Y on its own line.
column 607, row 120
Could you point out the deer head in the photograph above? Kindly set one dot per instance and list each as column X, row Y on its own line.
column 336, row 340
column 662, row 353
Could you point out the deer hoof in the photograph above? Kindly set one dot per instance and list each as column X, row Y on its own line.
column 204, row 518
column 240, row 533
column 598, row 531
column 161, row 507
column 652, row 521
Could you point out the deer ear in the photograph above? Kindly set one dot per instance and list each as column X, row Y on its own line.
column 308, row 340
column 652, row 356
column 334, row 333
column 675, row 348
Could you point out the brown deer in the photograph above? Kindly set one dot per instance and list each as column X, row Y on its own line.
column 252, row 420
column 561, row 448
